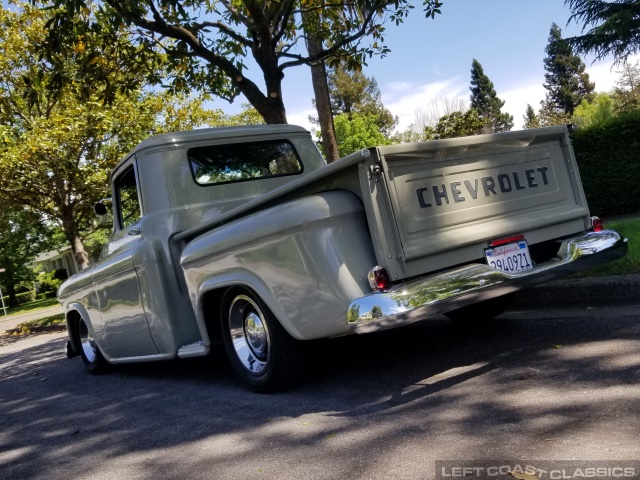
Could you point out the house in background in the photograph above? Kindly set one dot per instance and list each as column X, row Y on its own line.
column 57, row 260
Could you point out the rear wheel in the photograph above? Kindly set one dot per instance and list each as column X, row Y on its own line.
column 262, row 353
column 482, row 311
column 89, row 351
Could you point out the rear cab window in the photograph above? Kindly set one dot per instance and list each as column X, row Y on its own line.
column 218, row 164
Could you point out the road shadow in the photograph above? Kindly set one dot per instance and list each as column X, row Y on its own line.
column 422, row 381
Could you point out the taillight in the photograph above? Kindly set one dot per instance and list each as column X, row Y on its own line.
column 596, row 224
column 379, row 279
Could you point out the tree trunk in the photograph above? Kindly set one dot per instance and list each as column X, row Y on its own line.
column 80, row 254
column 323, row 102
column 77, row 247
column 270, row 108
column 11, row 293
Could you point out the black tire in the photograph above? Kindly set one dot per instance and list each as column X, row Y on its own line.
column 482, row 311
column 91, row 356
column 262, row 353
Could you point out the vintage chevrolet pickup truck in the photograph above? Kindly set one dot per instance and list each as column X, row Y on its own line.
column 243, row 236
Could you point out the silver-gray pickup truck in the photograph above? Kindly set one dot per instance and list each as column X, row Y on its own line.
column 243, row 236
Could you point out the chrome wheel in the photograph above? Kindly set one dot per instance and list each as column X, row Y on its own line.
column 263, row 354
column 249, row 334
column 87, row 342
column 89, row 351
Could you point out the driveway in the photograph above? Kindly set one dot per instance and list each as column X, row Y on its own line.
column 536, row 384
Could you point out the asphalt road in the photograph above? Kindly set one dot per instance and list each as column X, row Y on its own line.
column 559, row 384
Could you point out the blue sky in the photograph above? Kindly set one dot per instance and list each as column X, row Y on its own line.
column 431, row 59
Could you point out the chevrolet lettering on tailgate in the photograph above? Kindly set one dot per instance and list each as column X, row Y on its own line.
column 487, row 186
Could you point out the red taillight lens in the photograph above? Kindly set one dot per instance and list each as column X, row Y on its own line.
column 379, row 279
column 506, row 241
column 596, row 224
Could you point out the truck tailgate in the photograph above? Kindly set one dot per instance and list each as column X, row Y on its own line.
column 449, row 198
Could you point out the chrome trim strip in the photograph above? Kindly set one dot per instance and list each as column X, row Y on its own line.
column 414, row 301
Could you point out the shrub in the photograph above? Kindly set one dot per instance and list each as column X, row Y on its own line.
column 48, row 282
column 26, row 297
column 608, row 156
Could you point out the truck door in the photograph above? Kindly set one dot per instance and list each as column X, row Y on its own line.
column 120, row 301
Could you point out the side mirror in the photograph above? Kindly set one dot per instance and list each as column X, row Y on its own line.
column 100, row 209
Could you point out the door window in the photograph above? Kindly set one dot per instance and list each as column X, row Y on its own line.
column 129, row 211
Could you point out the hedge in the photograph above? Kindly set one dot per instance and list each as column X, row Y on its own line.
column 22, row 298
column 608, row 157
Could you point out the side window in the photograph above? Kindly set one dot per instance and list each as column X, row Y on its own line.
column 129, row 211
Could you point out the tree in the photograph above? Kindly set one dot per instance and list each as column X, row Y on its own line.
column 549, row 115
column 597, row 112
column 486, row 102
column 566, row 81
column 357, row 131
column 321, row 90
column 626, row 94
column 531, row 120
column 56, row 151
column 459, row 124
column 23, row 237
column 615, row 28
column 353, row 92
column 205, row 43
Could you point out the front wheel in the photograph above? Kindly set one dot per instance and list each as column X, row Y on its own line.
column 89, row 351
column 262, row 353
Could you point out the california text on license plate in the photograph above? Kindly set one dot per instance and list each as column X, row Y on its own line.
column 510, row 258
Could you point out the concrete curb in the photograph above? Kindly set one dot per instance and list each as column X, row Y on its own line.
column 594, row 289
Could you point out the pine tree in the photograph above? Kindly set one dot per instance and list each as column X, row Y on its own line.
column 615, row 29
column 485, row 101
column 531, row 120
column 566, row 81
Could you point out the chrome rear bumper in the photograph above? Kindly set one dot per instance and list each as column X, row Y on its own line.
column 413, row 301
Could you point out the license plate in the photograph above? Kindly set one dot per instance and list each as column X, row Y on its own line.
column 510, row 258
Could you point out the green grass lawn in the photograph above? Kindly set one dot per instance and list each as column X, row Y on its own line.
column 630, row 229
column 29, row 307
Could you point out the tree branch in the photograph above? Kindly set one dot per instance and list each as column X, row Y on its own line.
column 226, row 30
column 326, row 53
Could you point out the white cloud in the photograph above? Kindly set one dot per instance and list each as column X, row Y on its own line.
column 515, row 102
column 405, row 99
column 301, row 117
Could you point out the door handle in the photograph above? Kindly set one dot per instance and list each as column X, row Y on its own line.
column 134, row 231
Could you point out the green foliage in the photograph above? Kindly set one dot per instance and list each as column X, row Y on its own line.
column 22, row 237
column 566, row 81
column 608, row 156
column 597, row 112
column 549, row 116
column 626, row 94
column 531, row 120
column 486, row 102
column 356, row 131
column 353, row 92
column 205, row 44
column 56, row 151
column 615, row 27
column 458, row 124
column 48, row 281
column 20, row 298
